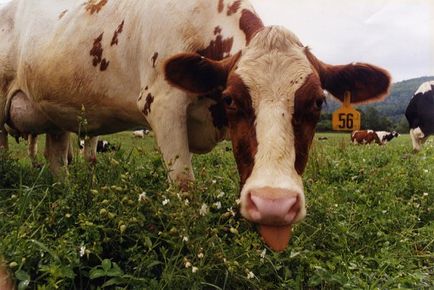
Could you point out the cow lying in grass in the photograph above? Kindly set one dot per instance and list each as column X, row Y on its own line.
column 196, row 72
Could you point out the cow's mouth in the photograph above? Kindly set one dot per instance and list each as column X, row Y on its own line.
column 276, row 237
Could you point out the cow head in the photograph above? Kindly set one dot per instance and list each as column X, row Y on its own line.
column 273, row 91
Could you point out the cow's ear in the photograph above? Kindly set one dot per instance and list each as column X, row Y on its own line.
column 197, row 74
column 366, row 83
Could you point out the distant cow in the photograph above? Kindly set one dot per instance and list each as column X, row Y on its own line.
column 369, row 136
column 420, row 115
column 218, row 73
column 140, row 133
column 101, row 147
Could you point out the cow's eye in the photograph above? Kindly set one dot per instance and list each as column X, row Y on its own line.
column 229, row 103
column 318, row 103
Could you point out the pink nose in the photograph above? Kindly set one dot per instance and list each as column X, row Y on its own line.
column 270, row 206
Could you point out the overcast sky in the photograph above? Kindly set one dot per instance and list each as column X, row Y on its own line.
column 395, row 34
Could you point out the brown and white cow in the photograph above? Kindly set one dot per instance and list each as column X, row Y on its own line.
column 193, row 71
column 369, row 136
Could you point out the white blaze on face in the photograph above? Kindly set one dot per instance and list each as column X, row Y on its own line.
column 274, row 67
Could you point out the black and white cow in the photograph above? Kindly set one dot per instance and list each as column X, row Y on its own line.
column 420, row 114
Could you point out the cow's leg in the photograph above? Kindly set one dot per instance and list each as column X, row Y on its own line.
column 56, row 152
column 6, row 282
column 70, row 152
column 3, row 138
column 168, row 118
column 416, row 138
column 89, row 150
column 32, row 148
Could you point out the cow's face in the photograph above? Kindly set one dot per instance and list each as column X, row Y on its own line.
column 272, row 93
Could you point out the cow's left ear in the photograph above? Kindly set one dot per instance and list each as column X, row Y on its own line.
column 197, row 74
column 365, row 82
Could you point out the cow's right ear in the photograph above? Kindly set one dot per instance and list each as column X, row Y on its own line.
column 197, row 74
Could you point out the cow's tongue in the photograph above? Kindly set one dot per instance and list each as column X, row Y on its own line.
column 276, row 237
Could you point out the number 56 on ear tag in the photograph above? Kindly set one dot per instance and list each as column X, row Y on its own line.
column 346, row 118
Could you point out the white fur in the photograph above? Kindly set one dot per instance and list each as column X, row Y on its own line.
column 417, row 138
column 425, row 87
column 274, row 59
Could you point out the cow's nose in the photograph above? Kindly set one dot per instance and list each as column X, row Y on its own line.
column 270, row 206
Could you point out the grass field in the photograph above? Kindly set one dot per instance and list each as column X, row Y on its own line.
column 120, row 225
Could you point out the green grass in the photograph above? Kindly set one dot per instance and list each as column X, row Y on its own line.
column 370, row 222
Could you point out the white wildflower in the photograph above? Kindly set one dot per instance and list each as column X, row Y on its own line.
column 384, row 211
column 238, row 201
column 185, row 239
column 218, row 205
column 425, row 194
column 263, row 253
column 142, row 196
column 82, row 250
column 214, row 181
column 221, row 194
column 425, row 170
column 187, row 264
column 203, row 210
column 194, row 269
column 166, row 201
column 250, row 275
column 200, row 255
column 186, row 202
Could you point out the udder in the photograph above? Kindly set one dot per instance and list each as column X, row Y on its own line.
column 26, row 118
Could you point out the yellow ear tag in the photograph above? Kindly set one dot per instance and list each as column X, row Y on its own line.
column 346, row 118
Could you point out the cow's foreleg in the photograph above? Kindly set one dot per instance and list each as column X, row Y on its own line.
column 168, row 119
column 56, row 152
column 89, row 150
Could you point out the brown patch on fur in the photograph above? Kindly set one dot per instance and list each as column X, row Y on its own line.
column 233, row 8
column 221, row 6
column 217, row 30
column 367, row 83
column 104, row 64
column 241, row 118
column 118, row 31
column 218, row 48
column 96, row 52
column 306, row 116
column 250, row 24
column 62, row 13
column 147, row 107
column 95, row 6
column 154, row 59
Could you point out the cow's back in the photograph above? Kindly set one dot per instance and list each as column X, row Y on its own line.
column 101, row 54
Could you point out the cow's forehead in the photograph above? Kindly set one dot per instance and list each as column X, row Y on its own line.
column 273, row 65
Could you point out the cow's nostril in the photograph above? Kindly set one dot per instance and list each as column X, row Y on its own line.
column 252, row 208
